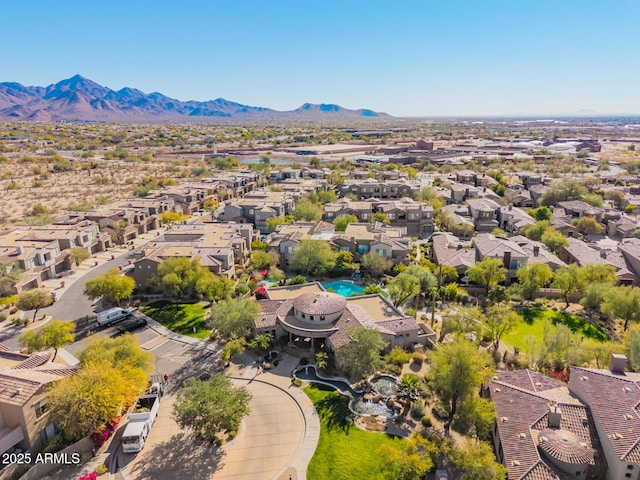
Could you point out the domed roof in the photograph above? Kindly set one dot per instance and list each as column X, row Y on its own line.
column 320, row 303
column 564, row 446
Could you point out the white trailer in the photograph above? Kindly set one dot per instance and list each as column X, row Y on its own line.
column 141, row 419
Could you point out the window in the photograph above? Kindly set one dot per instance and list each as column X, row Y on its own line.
column 381, row 252
column 362, row 249
column 40, row 407
column 344, row 248
column 311, row 317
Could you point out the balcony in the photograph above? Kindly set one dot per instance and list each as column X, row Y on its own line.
column 10, row 437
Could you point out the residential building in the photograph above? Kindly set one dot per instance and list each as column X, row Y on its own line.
column 388, row 241
column 513, row 219
column 220, row 247
column 416, row 217
column 542, row 431
column 25, row 379
column 309, row 317
column 613, row 396
column 511, row 254
column 259, row 206
column 450, row 250
column 579, row 252
column 381, row 189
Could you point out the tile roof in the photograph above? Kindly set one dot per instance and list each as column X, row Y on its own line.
column 522, row 400
column 614, row 401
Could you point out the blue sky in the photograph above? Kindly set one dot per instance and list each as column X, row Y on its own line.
column 404, row 57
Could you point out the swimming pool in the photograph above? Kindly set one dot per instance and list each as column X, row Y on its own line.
column 346, row 289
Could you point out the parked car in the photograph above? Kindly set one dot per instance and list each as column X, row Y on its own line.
column 131, row 324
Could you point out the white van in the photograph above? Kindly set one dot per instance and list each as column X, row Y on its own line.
column 113, row 315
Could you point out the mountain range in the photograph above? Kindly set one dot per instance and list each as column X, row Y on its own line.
column 78, row 98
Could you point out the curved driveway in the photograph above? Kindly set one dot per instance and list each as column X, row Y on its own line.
column 267, row 443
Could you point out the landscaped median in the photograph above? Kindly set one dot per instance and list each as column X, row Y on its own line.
column 344, row 451
column 184, row 318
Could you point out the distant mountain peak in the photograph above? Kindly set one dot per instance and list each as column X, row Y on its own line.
column 79, row 98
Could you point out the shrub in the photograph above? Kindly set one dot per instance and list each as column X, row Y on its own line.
column 441, row 410
column 393, row 369
column 55, row 444
column 9, row 300
column 304, row 361
column 426, row 422
column 410, row 312
column 417, row 409
column 417, row 358
column 101, row 469
column 297, row 382
column 397, row 356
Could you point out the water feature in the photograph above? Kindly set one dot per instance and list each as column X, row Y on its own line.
column 385, row 385
column 374, row 403
column 271, row 356
column 309, row 374
column 346, row 289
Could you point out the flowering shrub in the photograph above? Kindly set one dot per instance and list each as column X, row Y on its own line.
column 88, row 476
column 98, row 438
column 261, row 293
column 561, row 375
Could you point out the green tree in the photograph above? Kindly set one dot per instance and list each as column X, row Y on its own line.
column 475, row 417
column 34, row 299
column 312, row 257
column 375, row 263
column 178, row 277
column 598, row 273
column 9, row 275
column 414, row 459
column 314, row 162
column 397, row 356
column 233, row 348
column 273, row 222
column 568, row 280
column 617, row 197
column 54, row 334
column 532, row 277
column 322, row 360
column 476, row 461
column 542, row 213
column 233, row 318
column 587, row 226
column 402, row 288
column 560, row 192
column 457, row 371
column 171, row 217
column 624, row 303
column 341, row 223
column 361, row 356
column 123, row 353
column 499, row 320
column 79, row 255
column 632, row 344
column 210, row 407
column 84, row 402
column 536, row 231
column 307, row 210
column 462, row 320
column 488, row 273
column 323, row 196
column 554, row 240
column 593, row 295
column 112, row 286
column 379, row 217
column 210, row 206
column 214, row 287
column 259, row 260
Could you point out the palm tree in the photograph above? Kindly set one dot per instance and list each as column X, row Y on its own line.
column 322, row 360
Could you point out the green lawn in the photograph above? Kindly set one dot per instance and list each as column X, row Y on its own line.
column 179, row 317
column 534, row 320
column 344, row 452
